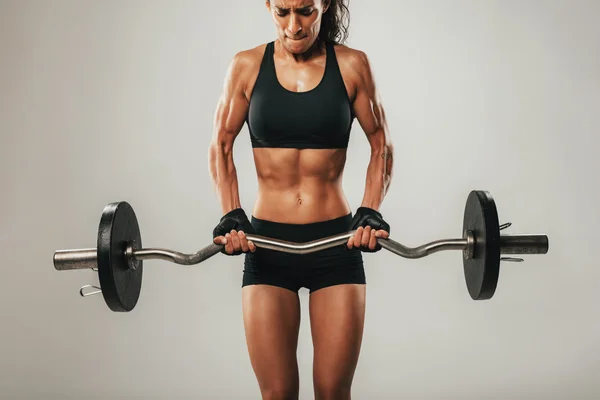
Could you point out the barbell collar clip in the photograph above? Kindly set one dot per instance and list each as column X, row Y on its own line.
column 84, row 293
column 511, row 259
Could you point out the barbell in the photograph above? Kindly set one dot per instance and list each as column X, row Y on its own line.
column 119, row 256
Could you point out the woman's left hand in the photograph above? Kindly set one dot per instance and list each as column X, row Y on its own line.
column 366, row 238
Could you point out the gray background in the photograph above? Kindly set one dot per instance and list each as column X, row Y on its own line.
column 113, row 100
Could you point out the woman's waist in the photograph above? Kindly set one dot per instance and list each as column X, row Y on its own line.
column 301, row 205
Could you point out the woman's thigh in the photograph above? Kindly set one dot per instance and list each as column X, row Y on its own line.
column 271, row 321
column 337, row 316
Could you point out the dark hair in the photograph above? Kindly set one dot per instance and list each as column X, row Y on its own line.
column 334, row 23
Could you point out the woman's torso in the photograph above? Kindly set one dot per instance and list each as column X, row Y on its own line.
column 300, row 182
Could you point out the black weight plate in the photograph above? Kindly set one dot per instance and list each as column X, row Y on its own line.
column 482, row 270
column 121, row 285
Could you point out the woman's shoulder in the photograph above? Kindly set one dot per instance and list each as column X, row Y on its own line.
column 251, row 56
column 353, row 63
column 352, row 57
column 244, row 68
column 244, row 65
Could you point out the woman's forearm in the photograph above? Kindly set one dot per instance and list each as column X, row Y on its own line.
column 379, row 176
column 224, row 176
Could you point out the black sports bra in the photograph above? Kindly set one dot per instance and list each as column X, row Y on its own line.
column 320, row 118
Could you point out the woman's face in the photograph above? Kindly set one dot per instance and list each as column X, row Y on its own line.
column 297, row 22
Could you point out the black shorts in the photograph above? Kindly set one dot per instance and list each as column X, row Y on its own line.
column 333, row 266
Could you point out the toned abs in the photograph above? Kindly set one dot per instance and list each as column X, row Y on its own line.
column 300, row 186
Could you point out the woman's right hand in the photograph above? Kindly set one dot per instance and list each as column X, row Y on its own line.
column 231, row 232
column 235, row 242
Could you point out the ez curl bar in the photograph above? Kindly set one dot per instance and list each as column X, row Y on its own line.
column 119, row 255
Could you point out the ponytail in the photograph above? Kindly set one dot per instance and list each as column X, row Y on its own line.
column 335, row 22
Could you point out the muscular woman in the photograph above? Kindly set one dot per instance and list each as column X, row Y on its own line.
column 299, row 95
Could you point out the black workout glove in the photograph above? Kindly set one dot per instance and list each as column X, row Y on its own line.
column 366, row 216
column 237, row 220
